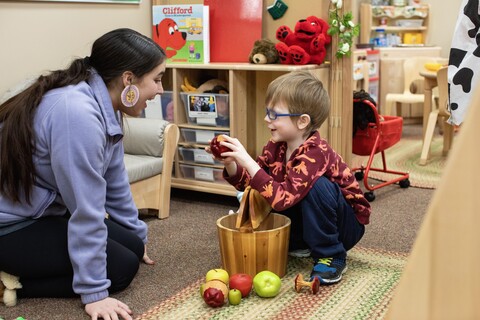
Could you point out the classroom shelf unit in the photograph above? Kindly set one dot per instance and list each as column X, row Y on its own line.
column 382, row 24
column 246, row 110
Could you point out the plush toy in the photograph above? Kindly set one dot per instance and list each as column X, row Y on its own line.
column 8, row 289
column 304, row 45
column 263, row 52
column 209, row 86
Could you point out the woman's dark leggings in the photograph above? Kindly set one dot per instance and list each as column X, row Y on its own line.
column 38, row 254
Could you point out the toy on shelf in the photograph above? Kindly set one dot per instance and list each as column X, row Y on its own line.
column 313, row 286
column 306, row 44
column 209, row 86
column 263, row 52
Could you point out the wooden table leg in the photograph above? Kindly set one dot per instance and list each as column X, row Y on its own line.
column 427, row 104
column 429, row 83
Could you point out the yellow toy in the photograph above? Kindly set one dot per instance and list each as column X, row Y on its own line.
column 8, row 289
column 433, row 66
column 212, row 85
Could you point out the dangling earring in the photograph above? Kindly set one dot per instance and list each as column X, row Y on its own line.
column 130, row 95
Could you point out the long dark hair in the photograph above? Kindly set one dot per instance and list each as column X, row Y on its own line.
column 112, row 54
column 362, row 112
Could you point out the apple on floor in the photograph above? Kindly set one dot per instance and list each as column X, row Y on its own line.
column 267, row 284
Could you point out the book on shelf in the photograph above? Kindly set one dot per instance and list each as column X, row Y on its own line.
column 234, row 27
column 183, row 32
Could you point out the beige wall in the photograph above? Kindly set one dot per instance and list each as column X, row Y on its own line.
column 39, row 36
column 442, row 23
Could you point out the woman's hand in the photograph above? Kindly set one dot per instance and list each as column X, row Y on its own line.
column 108, row 309
column 146, row 258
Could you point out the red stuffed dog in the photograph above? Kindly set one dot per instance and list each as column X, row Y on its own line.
column 167, row 35
column 306, row 44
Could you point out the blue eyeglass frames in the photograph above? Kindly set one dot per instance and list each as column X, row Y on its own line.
column 272, row 115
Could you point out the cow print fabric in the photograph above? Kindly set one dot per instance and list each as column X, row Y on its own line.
column 464, row 61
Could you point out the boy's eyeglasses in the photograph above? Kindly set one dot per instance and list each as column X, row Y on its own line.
column 272, row 115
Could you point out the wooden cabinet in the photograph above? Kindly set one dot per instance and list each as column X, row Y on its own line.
column 247, row 86
column 383, row 24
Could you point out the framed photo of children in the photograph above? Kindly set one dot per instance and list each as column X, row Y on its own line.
column 203, row 107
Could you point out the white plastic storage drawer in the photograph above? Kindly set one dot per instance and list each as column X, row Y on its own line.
column 199, row 136
column 195, row 155
column 202, row 173
column 214, row 114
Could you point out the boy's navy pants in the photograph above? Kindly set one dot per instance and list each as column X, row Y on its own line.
column 324, row 222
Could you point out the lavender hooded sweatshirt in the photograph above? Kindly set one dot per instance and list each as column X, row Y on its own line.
column 79, row 167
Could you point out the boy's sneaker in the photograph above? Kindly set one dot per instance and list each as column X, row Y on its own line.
column 300, row 253
column 329, row 270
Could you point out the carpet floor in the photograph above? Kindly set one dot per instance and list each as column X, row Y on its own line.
column 404, row 157
column 185, row 247
column 364, row 293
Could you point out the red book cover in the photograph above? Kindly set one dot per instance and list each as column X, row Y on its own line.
column 234, row 27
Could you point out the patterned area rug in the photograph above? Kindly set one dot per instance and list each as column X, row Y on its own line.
column 404, row 157
column 364, row 293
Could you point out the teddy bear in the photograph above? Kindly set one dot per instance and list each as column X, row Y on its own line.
column 263, row 52
column 304, row 45
column 8, row 289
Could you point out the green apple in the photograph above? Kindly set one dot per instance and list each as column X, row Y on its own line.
column 267, row 284
column 217, row 274
column 234, row 297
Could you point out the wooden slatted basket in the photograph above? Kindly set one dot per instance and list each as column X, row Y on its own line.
column 266, row 248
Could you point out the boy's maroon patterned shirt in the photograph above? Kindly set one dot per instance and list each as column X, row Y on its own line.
column 284, row 183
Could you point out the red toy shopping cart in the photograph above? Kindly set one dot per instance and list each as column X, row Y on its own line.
column 374, row 134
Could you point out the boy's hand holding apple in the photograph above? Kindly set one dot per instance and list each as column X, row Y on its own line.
column 238, row 154
column 216, row 148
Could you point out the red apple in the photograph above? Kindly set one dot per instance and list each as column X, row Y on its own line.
column 243, row 282
column 214, row 297
column 215, row 293
column 217, row 148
